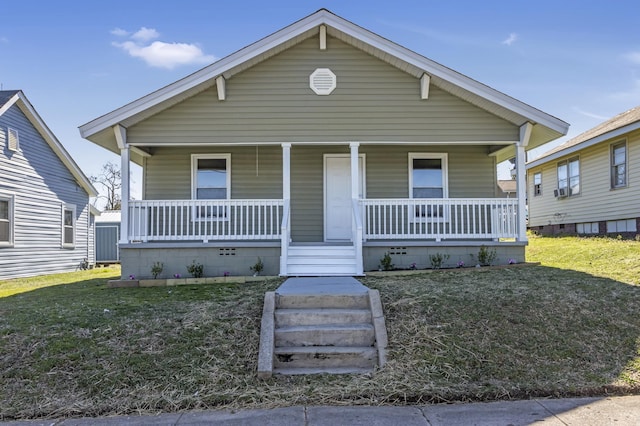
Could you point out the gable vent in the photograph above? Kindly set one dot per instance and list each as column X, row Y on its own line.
column 322, row 81
column 14, row 142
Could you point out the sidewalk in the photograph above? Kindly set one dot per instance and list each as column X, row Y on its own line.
column 621, row 411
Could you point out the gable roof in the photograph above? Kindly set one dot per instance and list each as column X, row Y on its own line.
column 619, row 125
column 546, row 127
column 8, row 98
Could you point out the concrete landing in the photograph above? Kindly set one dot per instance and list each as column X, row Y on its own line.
column 322, row 286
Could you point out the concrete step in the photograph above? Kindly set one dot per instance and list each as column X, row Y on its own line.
column 325, row 335
column 317, row 301
column 325, row 357
column 324, row 316
column 328, row 370
column 327, row 270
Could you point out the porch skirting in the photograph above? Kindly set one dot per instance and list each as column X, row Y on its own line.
column 217, row 258
column 236, row 258
column 405, row 253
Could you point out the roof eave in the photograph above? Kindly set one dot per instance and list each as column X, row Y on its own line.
column 612, row 134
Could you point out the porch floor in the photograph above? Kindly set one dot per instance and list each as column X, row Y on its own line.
column 322, row 286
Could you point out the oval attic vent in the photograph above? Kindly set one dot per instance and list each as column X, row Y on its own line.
column 322, row 81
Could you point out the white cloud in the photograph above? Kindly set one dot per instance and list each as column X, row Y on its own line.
column 160, row 54
column 145, row 34
column 119, row 32
column 511, row 39
column 633, row 57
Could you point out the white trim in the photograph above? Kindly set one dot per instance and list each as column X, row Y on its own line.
column 425, row 80
column 363, row 182
column 255, row 142
column 311, row 23
column 72, row 209
column 10, row 198
column 431, row 155
column 221, row 88
column 323, row 37
column 194, row 178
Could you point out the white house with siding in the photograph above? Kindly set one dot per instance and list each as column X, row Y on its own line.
column 46, row 221
column 320, row 148
column 590, row 185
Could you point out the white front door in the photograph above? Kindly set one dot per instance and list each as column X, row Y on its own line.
column 337, row 196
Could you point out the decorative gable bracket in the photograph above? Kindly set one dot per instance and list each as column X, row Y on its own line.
column 425, row 80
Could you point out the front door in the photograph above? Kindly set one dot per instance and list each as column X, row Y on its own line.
column 337, row 196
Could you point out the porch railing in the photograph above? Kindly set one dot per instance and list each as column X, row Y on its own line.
column 205, row 220
column 449, row 218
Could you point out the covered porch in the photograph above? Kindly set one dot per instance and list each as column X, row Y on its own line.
column 356, row 227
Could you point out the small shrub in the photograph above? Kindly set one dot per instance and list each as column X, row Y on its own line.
column 385, row 262
column 195, row 269
column 156, row 269
column 486, row 256
column 438, row 259
column 257, row 267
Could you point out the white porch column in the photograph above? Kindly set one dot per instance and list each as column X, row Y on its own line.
column 286, row 196
column 356, row 223
column 355, row 170
column 521, row 183
column 121, row 139
column 286, row 171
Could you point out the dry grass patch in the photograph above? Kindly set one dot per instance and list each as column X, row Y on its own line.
column 83, row 349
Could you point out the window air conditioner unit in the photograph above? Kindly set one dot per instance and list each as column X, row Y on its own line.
column 559, row 193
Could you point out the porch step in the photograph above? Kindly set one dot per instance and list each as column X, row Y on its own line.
column 321, row 260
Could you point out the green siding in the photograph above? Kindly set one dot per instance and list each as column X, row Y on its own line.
column 272, row 102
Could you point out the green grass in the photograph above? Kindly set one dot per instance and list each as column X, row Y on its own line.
column 568, row 327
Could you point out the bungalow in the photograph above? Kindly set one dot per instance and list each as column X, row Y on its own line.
column 319, row 149
column 46, row 221
column 589, row 184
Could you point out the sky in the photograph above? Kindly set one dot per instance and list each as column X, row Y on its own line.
column 77, row 60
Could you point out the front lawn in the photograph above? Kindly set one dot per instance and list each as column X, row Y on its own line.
column 567, row 327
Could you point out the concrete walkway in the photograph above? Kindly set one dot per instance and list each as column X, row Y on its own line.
column 322, row 285
column 619, row 411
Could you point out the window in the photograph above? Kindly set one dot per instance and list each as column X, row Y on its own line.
column 428, row 179
column 68, row 225
column 569, row 177
column 6, row 221
column 13, row 143
column 587, row 228
column 619, row 165
column 625, row 225
column 537, row 184
column 211, row 180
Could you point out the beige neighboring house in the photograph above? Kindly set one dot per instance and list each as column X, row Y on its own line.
column 589, row 185
column 320, row 148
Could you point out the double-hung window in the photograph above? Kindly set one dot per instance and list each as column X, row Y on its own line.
column 619, row 165
column 211, row 180
column 428, row 179
column 537, row 184
column 6, row 220
column 68, row 225
column 569, row 177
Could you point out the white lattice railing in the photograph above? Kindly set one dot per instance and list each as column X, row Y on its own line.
column 448, row 218
column 204, row 220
